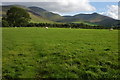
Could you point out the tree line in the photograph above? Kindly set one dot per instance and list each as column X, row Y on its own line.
column 66, row 25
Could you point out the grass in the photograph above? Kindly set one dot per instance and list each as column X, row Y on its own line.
column 87, row 54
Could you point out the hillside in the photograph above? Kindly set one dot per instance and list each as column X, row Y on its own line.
column 97, row 19
column 38, row 19
column 46, row 14
column 94, row 18
column 34, row 17
column 43, row 16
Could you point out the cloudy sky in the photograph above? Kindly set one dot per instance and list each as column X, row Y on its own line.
column 72, row 7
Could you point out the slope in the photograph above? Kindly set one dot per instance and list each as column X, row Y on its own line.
column 34, row 17
column 46, row 14
column 94, row 18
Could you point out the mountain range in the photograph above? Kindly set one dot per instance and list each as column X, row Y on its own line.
column 41, row 15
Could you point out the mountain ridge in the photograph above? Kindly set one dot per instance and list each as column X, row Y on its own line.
column 93, row 18
column 35, row 17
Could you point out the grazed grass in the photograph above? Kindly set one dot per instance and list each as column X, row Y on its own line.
column 60, row 53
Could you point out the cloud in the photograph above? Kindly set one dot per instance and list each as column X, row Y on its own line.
column 104, row 0
column 55, row 0
column 66, row 6
column 112, row 11
column 62, row 6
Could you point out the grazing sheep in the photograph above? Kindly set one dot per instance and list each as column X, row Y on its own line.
column 46, row 27
column 111, row 29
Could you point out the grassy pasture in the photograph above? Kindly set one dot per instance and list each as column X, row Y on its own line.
column 87, row 54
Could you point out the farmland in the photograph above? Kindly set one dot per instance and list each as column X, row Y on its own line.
column 88, row 54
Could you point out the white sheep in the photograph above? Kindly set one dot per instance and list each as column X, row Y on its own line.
column 111, row 29
column 46, row 27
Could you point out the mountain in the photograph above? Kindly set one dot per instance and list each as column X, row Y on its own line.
column 34, row 17
column 93, row 18
column 38, row 19
column 41, row 15
column 97, row 19
column 46, row 14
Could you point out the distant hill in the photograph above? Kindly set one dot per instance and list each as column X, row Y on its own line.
column 34, row 17
column 41, row 15
column 94, row 18
column 38, row 19
column 46, row 14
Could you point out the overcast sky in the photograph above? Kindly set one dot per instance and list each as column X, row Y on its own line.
column 72, row 7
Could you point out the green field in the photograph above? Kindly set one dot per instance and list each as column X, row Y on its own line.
column 87, row 54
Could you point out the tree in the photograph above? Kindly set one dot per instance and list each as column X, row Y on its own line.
column 17, row 17
column 5, row 22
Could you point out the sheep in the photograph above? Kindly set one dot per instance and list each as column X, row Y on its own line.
column 46, row 27
column 111, row 29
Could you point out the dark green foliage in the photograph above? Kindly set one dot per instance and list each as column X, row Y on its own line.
column 67, row 25
column 17, row 17
column 5, row 23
